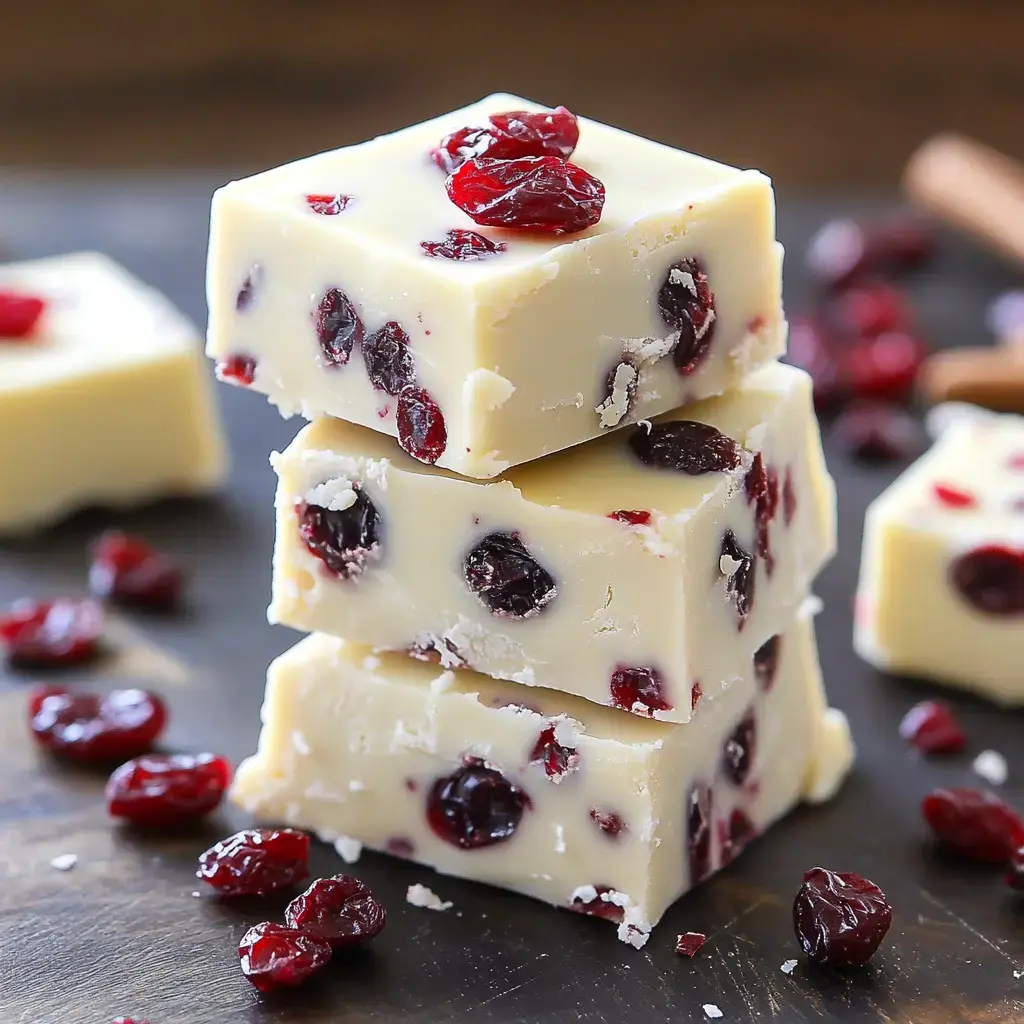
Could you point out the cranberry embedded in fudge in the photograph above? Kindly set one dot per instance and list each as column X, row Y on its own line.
column 345, row 539
column 475, row 806
column 507, row 578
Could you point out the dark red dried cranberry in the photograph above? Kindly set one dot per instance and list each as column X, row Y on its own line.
column 515, row 134
column 695, row 695
column 507, row 578
column 689, row 943
column 255, row 861
column 19, row 315
column 762, row 489
column 974, row 823
column 460, row 146
column 608, row 822
column 165, row 790
column 953, row 497
column 872, row 309
column 51, row 634
column 840, row 918
column 875, row 432
column 340, row 911
column 460, row 244
column 932, row 729
column 766, row 662
column 741, row 577
column 237, row 369
column 273, row 956
column 812, row 348
column 389, row 363
column 685, row 446
column 421, row 427
column 739, row 750
column 698, row 832
column 1015, row 869
column 327, row 205
column 598, row 907
column 128, row 570
column 94, row 729
column 734, row 835
column 338, row 327
column 989, row 578
column 631, row 686
column 344, row 539
column 631, row 517
column 844, row 250
column 558, row 760
column 788, row 497
column 885, row 367
column 533, row 193
column 400, row 846
column 475, row 806
column 687, row 305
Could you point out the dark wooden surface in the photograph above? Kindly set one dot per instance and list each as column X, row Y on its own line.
column 123, row 934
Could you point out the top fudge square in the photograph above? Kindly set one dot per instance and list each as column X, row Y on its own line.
column 348, row 284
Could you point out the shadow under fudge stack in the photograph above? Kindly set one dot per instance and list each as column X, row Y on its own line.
column 562, row 639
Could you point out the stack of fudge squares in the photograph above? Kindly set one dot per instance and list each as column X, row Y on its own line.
column 555, row 520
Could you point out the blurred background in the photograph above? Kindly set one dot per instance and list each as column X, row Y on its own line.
column 815, row 92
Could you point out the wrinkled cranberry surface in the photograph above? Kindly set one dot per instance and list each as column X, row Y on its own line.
column 507, row 578
column 698, row 831
column 695, row 695
column 338, row 327
column 345, row 540
column 739, row 749
column 340, row 911
column 974, row 823
column 762, row 489
column 766, row 662
column 876, row 432
column 631, row 517
column 740, row 583
column 460, row 244
column 389, row 363
column 255, row 861
column 689, row 943
column 164, row 790
column 57, row 633
column 685, row 446
column 608, row 822
column 885, row 367
column 273, row 956
column 632, row 686
column 990, row 579
column 687, row 305
column 327, row 205
column 19, row 315
column 515, row 134
column 130, row 571
column 558, row 760
column 931, row 728
column 421, row 427
column 237, row 369
column 475, row 806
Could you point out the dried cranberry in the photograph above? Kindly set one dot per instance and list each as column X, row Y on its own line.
column 990, row 579
column 840, row 918
column 762, row 489
column 872, row 309
column 533, row 193
column 19, row 315
column 130, row 571
column 255, row 861
column 597, row 906
column 695, row 695
column 766, row 662
column 327, row 205
column 740, row 577
column 685, row 446
column 460, row 146
column 96, row 729
column 739, row 750
column 875, row 432
column 512, row 135
column 1015, row 869
column 344, row 539
column 558, row 760
column 389, row 363
column 460, row 244
column 698, row 832
column 238, row 369
column 931, row 727
column 608, row 822
column 631, row 517
column 421, row 427
column 507, row 578
column 689, row 943
column 734, row 835
column 974, row 823
column 51, row 634
column 953, row 497
column 631, row 686
column 687, row 305
column 885, row 367
column 475, row 806
column 273, row 956
column 338, row 327
column 788, row 497
column 813, row 349
column 164, row 790
column 340, row 911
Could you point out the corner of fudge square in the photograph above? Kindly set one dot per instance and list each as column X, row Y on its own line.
column 486, row 307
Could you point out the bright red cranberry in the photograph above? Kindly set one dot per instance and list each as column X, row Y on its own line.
column 788, row 497
column 598, row 907
column 885, row 367
column 338, row 327
column 507, row 578
column 698, row 832
column 475, row 806
column 695, row 695
column 932, row 729
column 734, row 835
column 631, row 517
column 558, row 760
column 608, row 822
column 631, row 686
column 19, row 315
column 687, row 305
column 238, row 369
column 813, row 349
column 685, row 446
column 340, row 911
column 875, row 432
column 689, row 943
column 766, row 662
column 740, row 581
column 255, row 861
column 460, row 146
column 389, row 363
column 1015, row 869
column 275, row 957
column 51, row 634
column 130, row 571
column 421, row 427
column 327, row 205
column 533, row 193
column 94, row 729
column 165, row 790
column 990, row 578
column 872, row 309
column 840, row 918
column 345, row 539
column 974, row 823
column 739, row 750
column 460, row 244
column 512, row 135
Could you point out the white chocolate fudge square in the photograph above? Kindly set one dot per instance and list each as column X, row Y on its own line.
column 637, row 570
column 106, row 402
column 941, row 591
column 542, row 345
column 577, row 805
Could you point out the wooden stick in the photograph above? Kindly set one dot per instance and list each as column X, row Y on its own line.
column 990, row 377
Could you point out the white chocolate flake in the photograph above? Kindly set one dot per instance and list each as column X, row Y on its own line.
column 349, row 849
column 420, row 896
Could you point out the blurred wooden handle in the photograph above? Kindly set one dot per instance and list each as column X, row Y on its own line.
column 990, row 377
column 974, row 187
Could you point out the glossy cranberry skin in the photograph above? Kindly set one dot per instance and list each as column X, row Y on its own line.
column 698, row 831
column 885, row 367
column 389, row 363
column 515, row 134
column 685, row 446
column 840, row 918
column 502, row 572
column 931, row 728
column 327, row 205
column 991, row 579
column 873, row 309
column 687, row 305
column 338, row 327
column 421, row 427
column 739, row 750
column 740, row 583
column 475, row 806
column 19, row 315
column 876, row 433
column 273, row 956
column 766, row 662
column 345, row 540
column 165, row 790
column 93, row 729
column 57, row 633
column 462, row 245
column 689, row 943
column 340, row 911
column 238, row 369
column 544, row 194
column 1015, row 869
column 637, row 685
column 255, row 861
column 558, row 760
column 129, row 571
column 974, row 823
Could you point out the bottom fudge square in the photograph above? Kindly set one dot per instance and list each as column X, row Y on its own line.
column 546, row 794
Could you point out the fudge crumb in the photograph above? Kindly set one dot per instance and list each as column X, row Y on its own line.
column 689, row 943
column 420, row 896
column 349, row 849
column 787, row 966
column 65, row 862
column 991, row 766
column 712, row 1011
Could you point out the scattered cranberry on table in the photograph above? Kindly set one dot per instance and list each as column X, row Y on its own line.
column 274, row 956
column 255, row 862
column 884, row 367
column 931, row 727
column 55, row 633
column 689, row 943
column 165, row 790
column 129, row 571
column 868, row 310
column 975, row 823
column 19, row 315
column 339, row 911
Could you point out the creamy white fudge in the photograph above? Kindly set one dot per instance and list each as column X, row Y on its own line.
column 548, row 795
column 318, row 276
column 638, row 570
column 941, row 591
column 106, row 400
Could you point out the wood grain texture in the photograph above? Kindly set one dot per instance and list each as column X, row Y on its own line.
column 815, row 93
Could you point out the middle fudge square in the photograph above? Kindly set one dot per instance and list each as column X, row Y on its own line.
column 640, row 570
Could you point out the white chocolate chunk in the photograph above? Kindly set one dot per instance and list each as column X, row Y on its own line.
column 420, row 896
column 991, row 766
column 107, row 401
column 516, row 348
